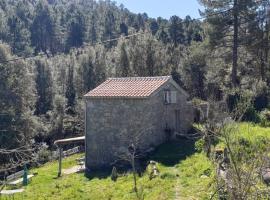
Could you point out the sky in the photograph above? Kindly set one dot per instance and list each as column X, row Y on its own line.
column 163, row 8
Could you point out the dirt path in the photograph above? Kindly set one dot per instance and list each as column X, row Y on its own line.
column 74, row 169
column 177, row 185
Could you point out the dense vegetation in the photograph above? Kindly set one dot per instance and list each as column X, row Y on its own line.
column 47, row 90
column 176, row 167
column 53, row 52
column 184, row 174
column 62, row 38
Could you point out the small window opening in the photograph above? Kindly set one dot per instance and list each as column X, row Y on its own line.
column 170, row 97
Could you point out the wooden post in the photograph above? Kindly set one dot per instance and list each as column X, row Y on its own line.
column 60, row 161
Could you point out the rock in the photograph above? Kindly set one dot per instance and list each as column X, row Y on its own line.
column 266, row 175
column 226, row 158
column 114, row 174
column 203, row 176
column 218, row 153
column 153, row 170
column 152, row 162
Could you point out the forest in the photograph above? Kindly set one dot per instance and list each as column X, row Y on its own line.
column 52, row 52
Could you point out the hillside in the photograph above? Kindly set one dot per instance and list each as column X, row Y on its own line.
column 178, row 176
column 184, row 174
column 53, row 52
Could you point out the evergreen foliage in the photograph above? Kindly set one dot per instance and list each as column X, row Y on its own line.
column 43, row 97
column 44, row 88
column 70, row 91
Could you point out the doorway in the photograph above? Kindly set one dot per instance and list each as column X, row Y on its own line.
column 177, row 120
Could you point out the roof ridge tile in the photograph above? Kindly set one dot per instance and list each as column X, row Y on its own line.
column 129, row 87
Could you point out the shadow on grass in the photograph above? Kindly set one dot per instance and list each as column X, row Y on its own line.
column 172, row 152
column 168, row 154
column 100, row 174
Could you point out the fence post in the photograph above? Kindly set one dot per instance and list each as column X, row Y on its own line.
column 60, row 161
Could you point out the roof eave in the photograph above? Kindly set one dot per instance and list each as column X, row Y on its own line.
column 174, row 84
column 115, row 97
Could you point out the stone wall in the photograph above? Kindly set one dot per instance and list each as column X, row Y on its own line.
column 111, row 125
column 202, row 111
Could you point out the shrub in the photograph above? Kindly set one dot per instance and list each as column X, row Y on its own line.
column 114, row 175
column 265, row 118
column 232, row 100
column 207, row 172
column 261, row 101
column 140, row 193
column 251, row 115
column 199, row 145
column 261, row 143
column 167, row 175
column 44, row 155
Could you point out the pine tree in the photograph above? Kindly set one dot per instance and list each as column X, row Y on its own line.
column 18, row 35
column 176, row 31
column 138, row 59
column 17, row 96
column 229, row 20
column 154, row 27
column 195, row 70
column 76, row 32
column 100, row 64
column 93, row 31
column 86, row 79
column 123, row 29
column 124, row 66
column 163, row 36
column 150, row 58
column 109, row 28
column 258, row 39
column 43, row 29
column 44, row 87
column 192, row 30
column 70, row 91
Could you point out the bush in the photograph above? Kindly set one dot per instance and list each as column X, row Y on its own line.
column 262, row 99
column 140, row 193
column 44, row 155
column 261, row 143
column 251, row 115
column 167, row 175
column 207, row 172
column 199, row 145
column 261, row 102
column 232, row 100
column 265, row 118
column 114, row 175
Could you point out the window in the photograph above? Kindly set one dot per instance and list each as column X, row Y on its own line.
column 170, row 97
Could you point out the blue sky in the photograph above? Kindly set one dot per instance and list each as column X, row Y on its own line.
column 163, row 8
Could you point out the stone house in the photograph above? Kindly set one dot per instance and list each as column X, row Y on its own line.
column 149, row 110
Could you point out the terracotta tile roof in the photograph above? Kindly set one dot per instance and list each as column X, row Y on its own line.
column 129, row 87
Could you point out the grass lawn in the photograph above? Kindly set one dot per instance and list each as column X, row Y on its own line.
column 183, row 173
column 177, row 162
column 252, row 131
column 250, row 135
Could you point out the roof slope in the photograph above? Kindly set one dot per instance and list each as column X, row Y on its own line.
column 128, row 87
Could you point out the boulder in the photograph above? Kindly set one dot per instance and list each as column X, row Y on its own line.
column 266, row 175
column 152, row 169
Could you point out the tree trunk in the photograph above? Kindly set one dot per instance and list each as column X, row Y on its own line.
column 235, row 45
column 60, row 162
column 266, row 49
column 134, row 174
column 264, row 44
column 262, row 70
